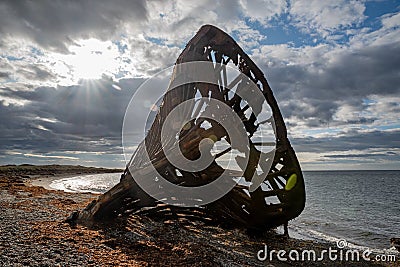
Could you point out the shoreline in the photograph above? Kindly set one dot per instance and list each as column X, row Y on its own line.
column 296, row 231
column 45, row 181
column 33, row 233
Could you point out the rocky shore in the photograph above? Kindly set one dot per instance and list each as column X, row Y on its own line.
column 33, row 233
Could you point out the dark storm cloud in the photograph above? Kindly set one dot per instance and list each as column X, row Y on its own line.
column 314, row 97
column 86, row 117
column 53, row 24
column 4, row 75
column 35, row 72
column 369, row 70
column 355, row 140
column 374, row 155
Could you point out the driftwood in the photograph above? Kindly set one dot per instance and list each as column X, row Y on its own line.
column 239, row 207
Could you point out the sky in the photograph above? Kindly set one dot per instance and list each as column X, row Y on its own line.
column 69, row 68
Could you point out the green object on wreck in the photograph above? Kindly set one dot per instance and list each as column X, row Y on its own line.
column 291, row 182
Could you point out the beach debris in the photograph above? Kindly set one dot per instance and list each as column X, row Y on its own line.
column 268, row 191
column 72, row 219
column 395, row 242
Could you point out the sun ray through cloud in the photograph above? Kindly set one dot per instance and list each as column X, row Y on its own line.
column 333, row 67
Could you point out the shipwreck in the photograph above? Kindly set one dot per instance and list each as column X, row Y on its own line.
column 272, row 173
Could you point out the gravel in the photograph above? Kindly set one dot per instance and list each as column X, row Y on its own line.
column 32, row 233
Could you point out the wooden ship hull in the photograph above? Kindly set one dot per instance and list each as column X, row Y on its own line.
column 239, row 207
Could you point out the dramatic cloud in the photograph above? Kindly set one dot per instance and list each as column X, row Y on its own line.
column 86, row 118
column 351, row 150
column 324, row 84
column 69, row 69
column 55, row 24
column 263, row 10
column 326, row 16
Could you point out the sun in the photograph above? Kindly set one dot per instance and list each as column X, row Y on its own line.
column 89, row 60
column 93, row 58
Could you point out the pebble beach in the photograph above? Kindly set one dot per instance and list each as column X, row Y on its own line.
column 33, row 233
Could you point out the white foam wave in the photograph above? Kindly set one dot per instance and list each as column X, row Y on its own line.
column 94, row 183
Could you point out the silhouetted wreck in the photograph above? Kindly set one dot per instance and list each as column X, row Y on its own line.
column 240, row 207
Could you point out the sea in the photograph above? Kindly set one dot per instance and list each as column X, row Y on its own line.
column 361, row 207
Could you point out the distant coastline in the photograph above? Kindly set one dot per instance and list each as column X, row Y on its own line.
column 59, row 169
column 54, row 169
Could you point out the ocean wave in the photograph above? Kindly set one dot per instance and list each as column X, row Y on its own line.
column 94, row 183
